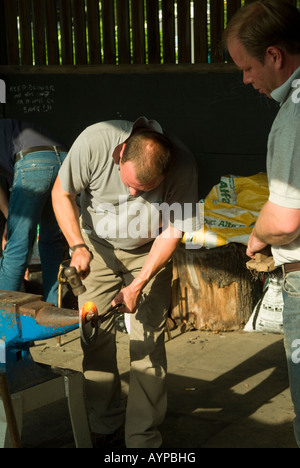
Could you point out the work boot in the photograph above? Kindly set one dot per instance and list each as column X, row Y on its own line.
column 114, row 440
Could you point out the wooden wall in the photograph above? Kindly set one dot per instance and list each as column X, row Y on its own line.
column 81, row 32
column 222, row 121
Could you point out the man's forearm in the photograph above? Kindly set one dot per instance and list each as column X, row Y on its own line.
column 3, row 203
column 67, row 215
column 275, row 225
column 161, row 252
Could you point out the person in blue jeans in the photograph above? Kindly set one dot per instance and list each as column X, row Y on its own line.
column 263, row 40
column 30, row 158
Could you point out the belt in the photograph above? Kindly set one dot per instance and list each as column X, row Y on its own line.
column 37, row 149
column 289, row 267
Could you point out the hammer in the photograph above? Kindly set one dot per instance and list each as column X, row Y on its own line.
column 70, row 275
column 74, row 280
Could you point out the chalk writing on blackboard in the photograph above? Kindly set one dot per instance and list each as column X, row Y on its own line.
column 33, row 98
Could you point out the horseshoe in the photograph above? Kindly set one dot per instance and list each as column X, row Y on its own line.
column 89, row 320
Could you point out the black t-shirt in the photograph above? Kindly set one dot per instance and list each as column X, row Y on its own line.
column 17, row 135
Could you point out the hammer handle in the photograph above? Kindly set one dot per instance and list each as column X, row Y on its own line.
column 9, row 411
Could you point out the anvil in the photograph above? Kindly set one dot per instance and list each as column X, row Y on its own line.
column 25, row 318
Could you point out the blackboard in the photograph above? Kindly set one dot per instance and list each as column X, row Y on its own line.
column 33, row 99
column 222, row 121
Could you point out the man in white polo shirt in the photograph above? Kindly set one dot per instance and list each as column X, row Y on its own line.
column 263, row 39
column 138, row 194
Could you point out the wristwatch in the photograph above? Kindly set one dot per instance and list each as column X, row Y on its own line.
column 78, row 246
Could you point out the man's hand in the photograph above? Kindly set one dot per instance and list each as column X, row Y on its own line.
column 4, row 237
column 276, row 225
column 254, row 245
column 130, row 297
column 81, row 260
column 160, row 253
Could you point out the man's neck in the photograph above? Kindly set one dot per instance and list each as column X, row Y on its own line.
column 291, row 64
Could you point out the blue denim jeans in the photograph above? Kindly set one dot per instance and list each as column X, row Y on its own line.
column 30, row 205
column 291, row 326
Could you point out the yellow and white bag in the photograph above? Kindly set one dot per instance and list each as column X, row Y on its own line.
column 230, row 211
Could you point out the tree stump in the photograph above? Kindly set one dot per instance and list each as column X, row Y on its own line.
column 212, row 289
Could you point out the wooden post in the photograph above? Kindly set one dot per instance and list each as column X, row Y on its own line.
column 168, row 27
column 38, row 14
column 212, row 288
column 108, row 27
column 123, row 32
column 153, row 31
column 80, row 32
column 200, row 31
column 216, row 30
column 66, row 32
column 93, row 21
column 25, row 33
column 184, row 31
column 138, row 31
column 52, row 32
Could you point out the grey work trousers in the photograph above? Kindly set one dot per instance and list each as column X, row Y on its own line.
column 147, row 398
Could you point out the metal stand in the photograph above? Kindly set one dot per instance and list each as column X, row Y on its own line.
column 66, row 384
column 27, row 385
column 8, row 409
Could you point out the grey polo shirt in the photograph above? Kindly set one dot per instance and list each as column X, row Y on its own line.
column 283, row 159
column 108, row 211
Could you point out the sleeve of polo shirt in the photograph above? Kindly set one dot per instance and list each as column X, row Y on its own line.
column 284, row 165
column 75, row 172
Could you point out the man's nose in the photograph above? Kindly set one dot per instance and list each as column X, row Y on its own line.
column 247, row 78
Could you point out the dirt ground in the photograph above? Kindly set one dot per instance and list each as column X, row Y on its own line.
column 226, row 390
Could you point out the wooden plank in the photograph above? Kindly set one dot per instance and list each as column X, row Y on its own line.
column 121, row 69
column 66, row 32
column 80, row 32
column 232, row 7
column 39, row 32
column 123, row 24
column 153, row 37
column 216, row 30
column 25, row 32
column 3, row 35
column 10, row 7
column 108, row 28
column 200, row 31
column 52, row 32
column 168, row 27
column 31, row 12
column 184, row 31
column 93, row 21
column 138, row 32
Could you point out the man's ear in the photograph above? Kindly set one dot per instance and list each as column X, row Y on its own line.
column 275, row 56
column 122, row 151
